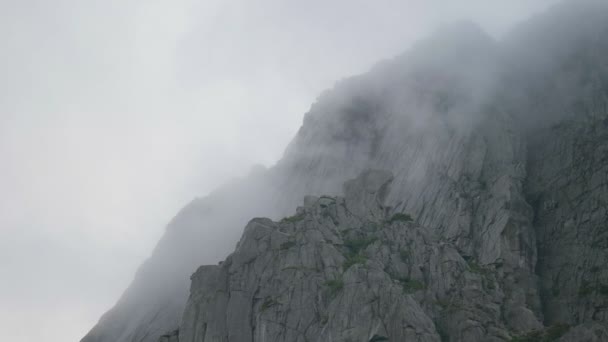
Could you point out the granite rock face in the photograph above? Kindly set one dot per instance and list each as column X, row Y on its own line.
column 568, row 186
column 496, row 151
column 345, row 269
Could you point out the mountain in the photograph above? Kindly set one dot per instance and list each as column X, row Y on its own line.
column 496, row 150
column 346, row 269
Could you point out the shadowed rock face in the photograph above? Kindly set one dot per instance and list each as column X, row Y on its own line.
column 568, row 185
column 496, row 150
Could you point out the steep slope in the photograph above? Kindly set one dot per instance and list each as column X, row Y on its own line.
column 344, row 133
column 345, row 269
column 459, row 138
column 568, row 185
column 567, row 165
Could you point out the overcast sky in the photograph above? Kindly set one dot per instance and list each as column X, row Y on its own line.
column 115, row 113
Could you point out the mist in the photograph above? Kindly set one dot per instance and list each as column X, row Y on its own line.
column 115, row 114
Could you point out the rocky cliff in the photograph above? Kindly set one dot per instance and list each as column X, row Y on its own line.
column 347, row 269
column 487, row 225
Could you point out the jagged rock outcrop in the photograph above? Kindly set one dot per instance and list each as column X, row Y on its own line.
column 345, row 269
column 497, row 151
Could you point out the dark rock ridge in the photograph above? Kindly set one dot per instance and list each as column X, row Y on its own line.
column 497, row 150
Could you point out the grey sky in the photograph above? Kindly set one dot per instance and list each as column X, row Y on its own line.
column 114, row 114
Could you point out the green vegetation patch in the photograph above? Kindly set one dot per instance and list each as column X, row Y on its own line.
column 552, row 333
column 353, row 259
column 378, row 338
column 354, row 248
column 478, row 269
column 586, row 289
column 357, row 245
column 268, row 303
column 556, row 331
column 293, row 219
column 401, row 217
column 287, row 245
column 411, row 285
column 335, row 286
column 485, row 272
column 475, row 267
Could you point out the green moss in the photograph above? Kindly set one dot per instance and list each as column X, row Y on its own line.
column 550, row 334
column 293, row 219
column 378, row 338
column 353, row 259
column 474, row 267
column 556, row 331
column 334, row 286
column 477, row 268
column 300, row 268
column 486, row 273
column 268, row 302
column 411, row 285
column 356, row 245
column 401, row 217
column 287, row 245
